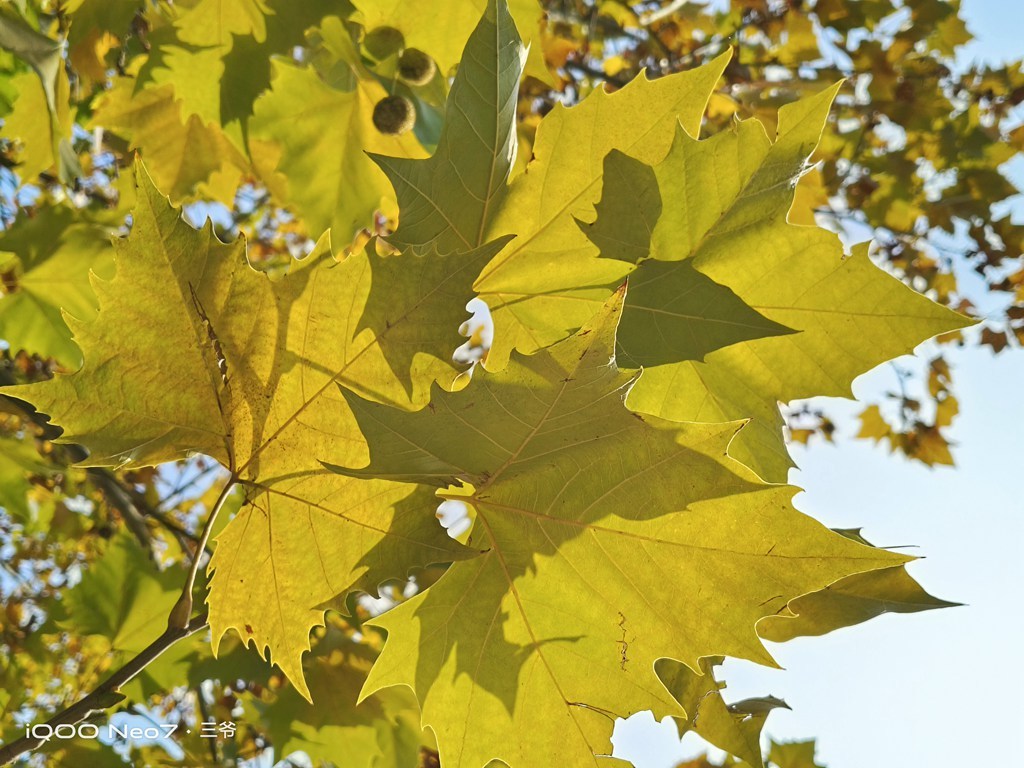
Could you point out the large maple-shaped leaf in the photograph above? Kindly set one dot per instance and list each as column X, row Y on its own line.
column 184, row 153
column 547, row 283
column 780, row 310
column 253, row 384
column 731, row 197
column 610, row 540
column 448, row 199
column 195, row 351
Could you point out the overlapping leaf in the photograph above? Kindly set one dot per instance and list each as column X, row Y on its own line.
column 224, row 361
column 547, row 283
column 253, row 384
column 612, row 542
column 851, row 315
column 187, row 104
column 674, row 312
column 779, row 310
column 41, row 117
column 607, row 537
column 217, row 55
column 733, row 728
column 28, row 126
column 45, row 263
column 319, row 136
column 185, row 154
column 449, row 199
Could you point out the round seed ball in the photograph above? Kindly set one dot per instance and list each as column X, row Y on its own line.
column 381, row 42
column 415, row 67
column 394, row 115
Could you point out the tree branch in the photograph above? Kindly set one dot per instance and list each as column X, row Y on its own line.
column 107, row 693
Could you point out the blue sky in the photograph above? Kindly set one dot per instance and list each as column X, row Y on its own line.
column 934, row 689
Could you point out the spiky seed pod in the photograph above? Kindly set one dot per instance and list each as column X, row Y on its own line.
column 394, row 115
column 381, row 42
column 415, row 67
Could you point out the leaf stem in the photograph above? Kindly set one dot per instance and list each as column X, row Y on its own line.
column 107, row 693
column 182, row 610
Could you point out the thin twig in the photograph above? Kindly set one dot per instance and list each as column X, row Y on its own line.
column 650, row 17
column 168, row 522
column 117, row 497
column 589, row 71
column 184, row 486
column 182, row 609
column 107, row 693
column 203, row 714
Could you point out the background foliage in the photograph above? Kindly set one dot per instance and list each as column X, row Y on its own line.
column 258, row 114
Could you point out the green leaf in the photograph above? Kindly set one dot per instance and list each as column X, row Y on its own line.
column 727, row 217
column 106, row 15
column 734, row 728
column 793, row 754
column 318, row 138
column 584, row 511
column 449, row 198
column 547, row 283
column 204, row 73
column 215, row 22
column 123, row 598
column 43, row 55
column 18, row 459
column 29, row 123
column 46, row 261
column 408, row 320
column 37, row 50
column 852, row 600
column 379, row 733
column 62, row 753
column 185, row 155
column 733, row 193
